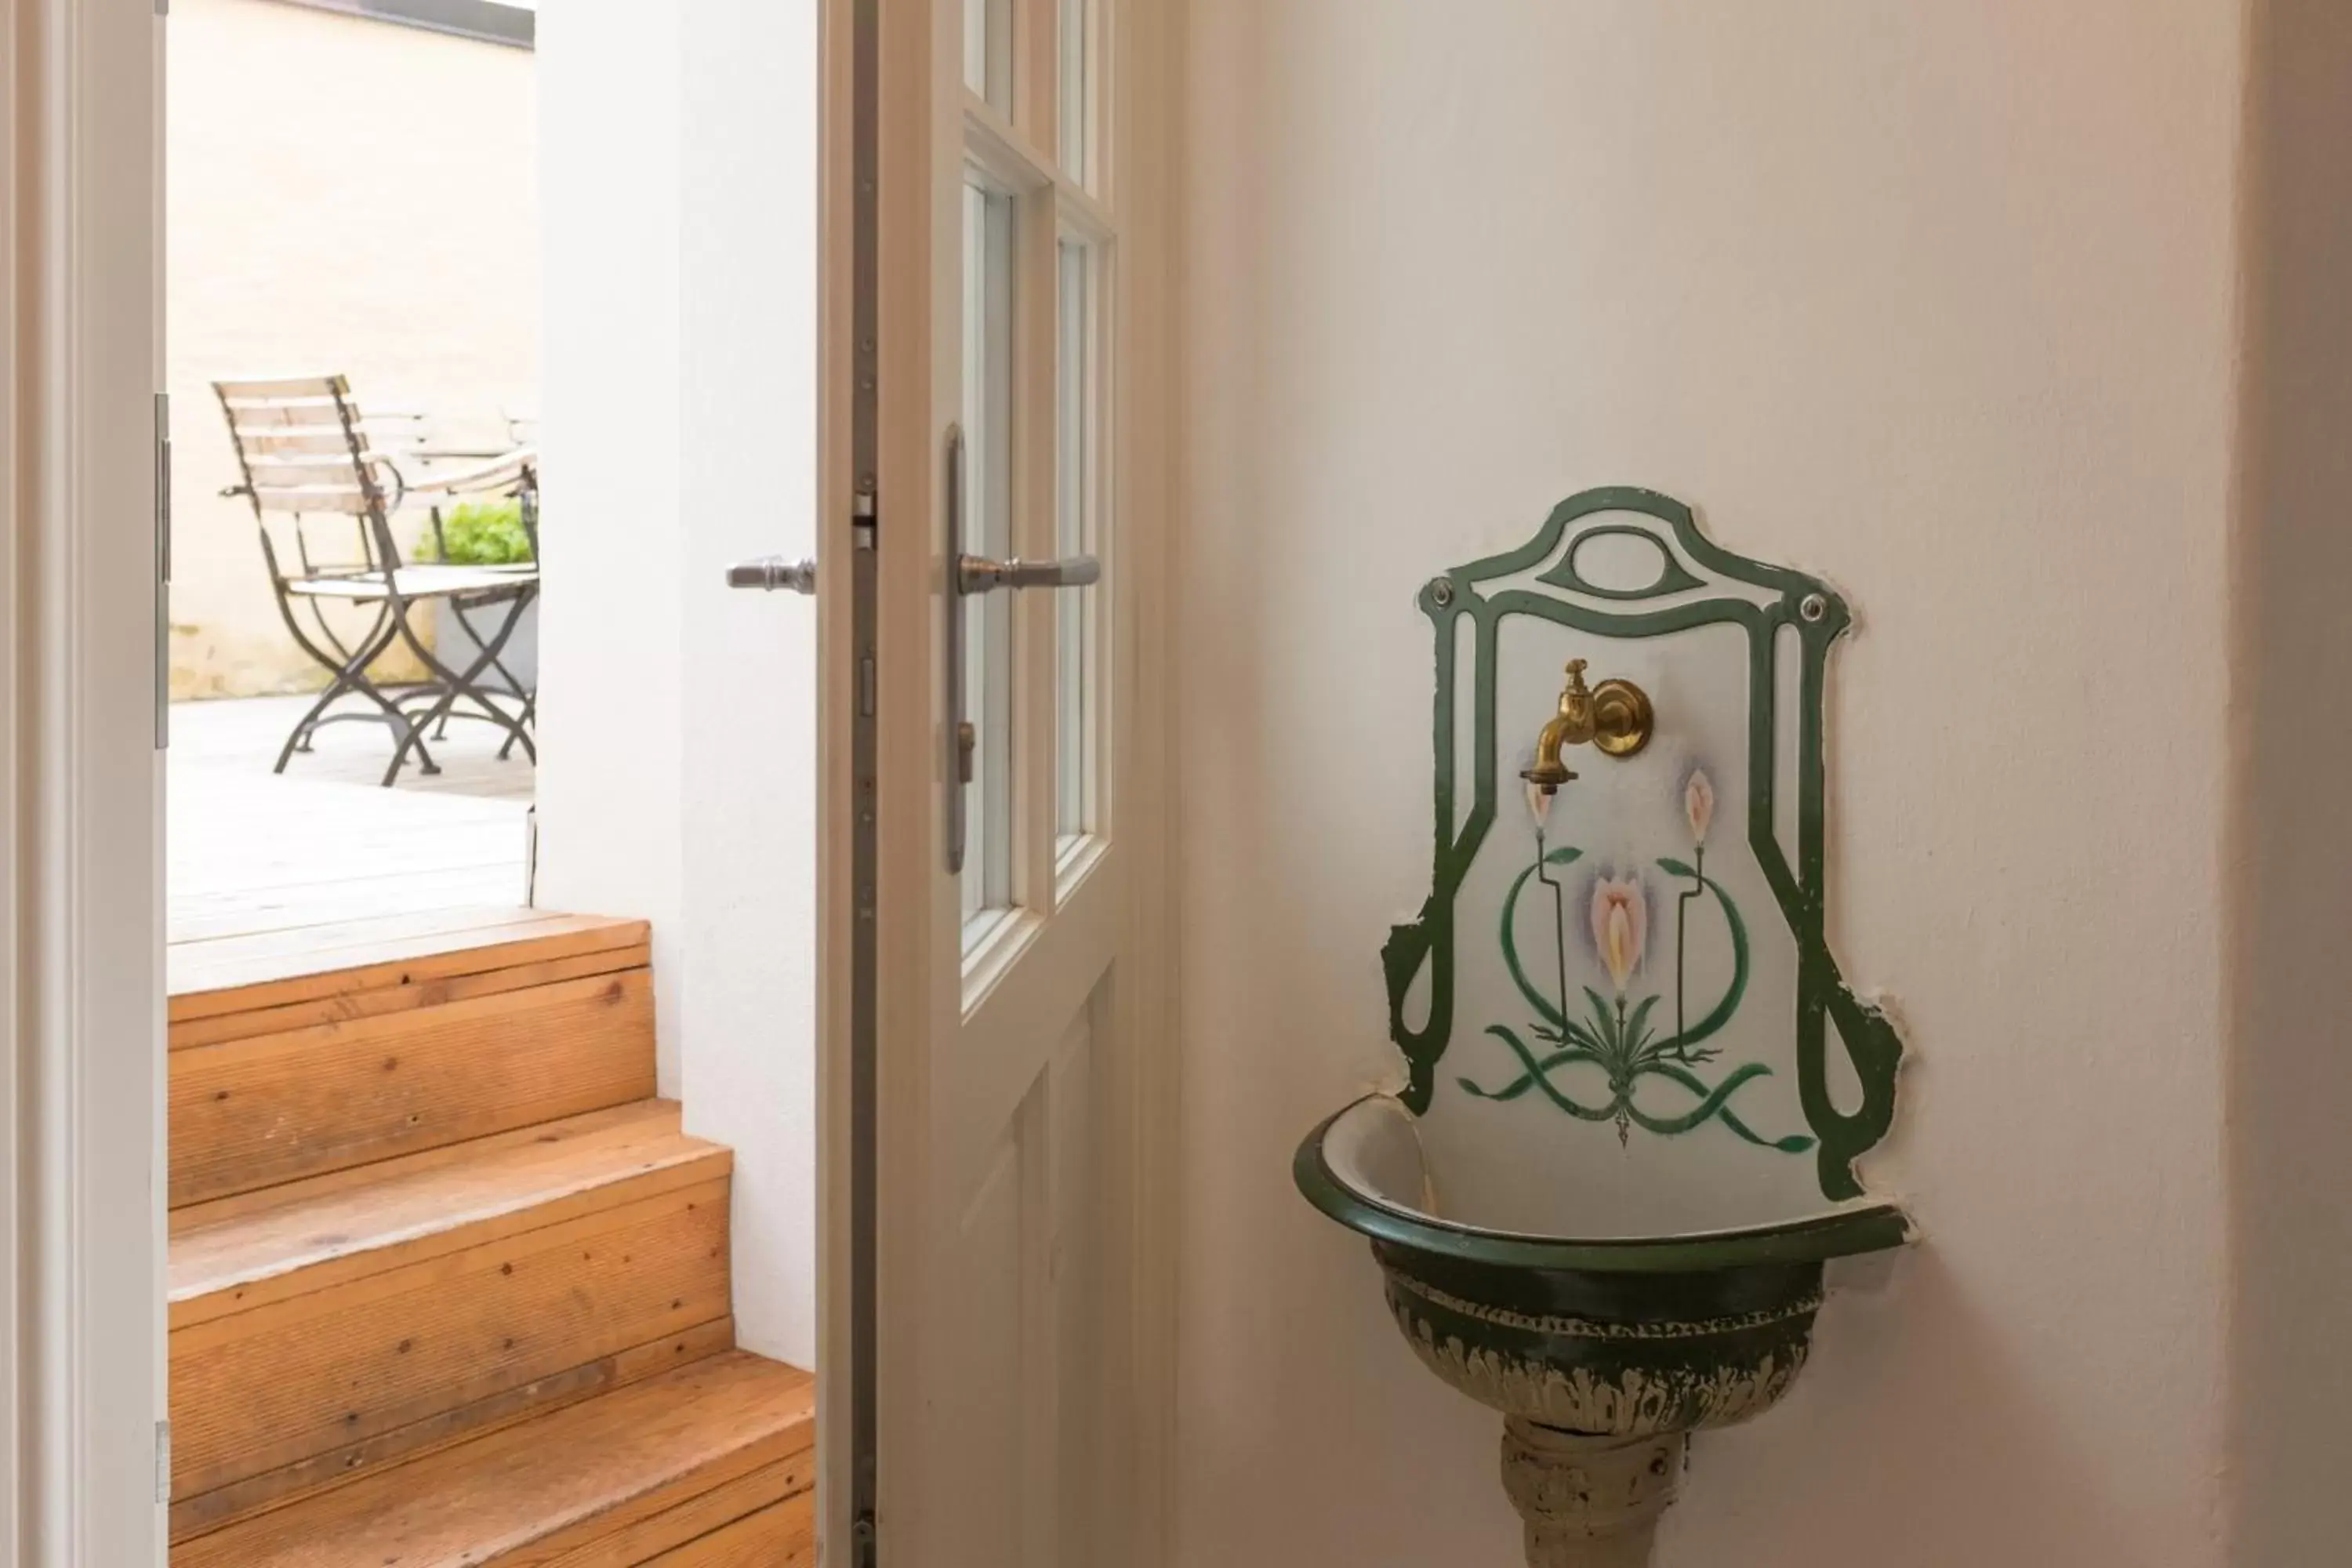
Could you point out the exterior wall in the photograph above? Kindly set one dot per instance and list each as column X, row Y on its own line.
column 1937, row 300
column 343, row 195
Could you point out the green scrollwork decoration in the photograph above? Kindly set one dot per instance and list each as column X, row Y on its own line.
column 1619, row 1042
column 1672, row 576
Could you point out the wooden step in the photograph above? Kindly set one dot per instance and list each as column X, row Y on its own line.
column 269, row 980
column 781, row 1534
column 326, row 1328
column 710, row 1466
column 287, row 1064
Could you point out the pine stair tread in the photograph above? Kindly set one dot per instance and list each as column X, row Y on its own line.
column 274, row 969
column 311, row 1234
column 648, row 1468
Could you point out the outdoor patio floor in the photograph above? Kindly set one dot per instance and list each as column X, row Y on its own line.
column 250, row 851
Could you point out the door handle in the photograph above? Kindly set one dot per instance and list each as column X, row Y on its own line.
column 958, row 731
column 978, row 574
column 772, row 573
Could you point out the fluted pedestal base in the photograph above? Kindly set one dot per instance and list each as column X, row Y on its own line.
column 1589, row 1502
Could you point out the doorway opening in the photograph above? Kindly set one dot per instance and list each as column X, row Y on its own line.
column 491, row 1215
column 372, row 221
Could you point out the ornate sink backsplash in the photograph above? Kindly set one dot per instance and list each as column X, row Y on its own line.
column 1618, row 1010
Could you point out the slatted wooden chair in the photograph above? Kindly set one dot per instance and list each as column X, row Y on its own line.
column 313, row 468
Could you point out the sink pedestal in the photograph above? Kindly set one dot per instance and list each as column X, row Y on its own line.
column 1588, row 1502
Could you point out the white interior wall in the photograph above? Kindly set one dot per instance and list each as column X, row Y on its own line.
column 611, row 725
column 678, row 201
column 1937, row 301
column 748, row 487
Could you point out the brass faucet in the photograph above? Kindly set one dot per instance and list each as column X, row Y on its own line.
column 1615, row 717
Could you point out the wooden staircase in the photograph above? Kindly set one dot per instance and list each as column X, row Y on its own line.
column 448, row 1285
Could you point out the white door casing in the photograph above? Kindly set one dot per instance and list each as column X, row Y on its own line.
column 1021, row 1008
column 81, row 974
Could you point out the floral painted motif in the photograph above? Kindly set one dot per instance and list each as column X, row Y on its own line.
column 1698, row 810
column 1621, row 922
column 1699, row 805
column 1615, row 1036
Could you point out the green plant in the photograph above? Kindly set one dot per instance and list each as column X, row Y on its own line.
column 484, row 533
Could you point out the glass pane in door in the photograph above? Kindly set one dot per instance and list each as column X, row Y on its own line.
column 1074, row 44
column 988, row 51
column 1075, row 634
column 987, row 876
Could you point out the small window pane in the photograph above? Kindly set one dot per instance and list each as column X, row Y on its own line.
column 987, row 879
column 1076, row 105
column 988, row 51
column 1075, row 428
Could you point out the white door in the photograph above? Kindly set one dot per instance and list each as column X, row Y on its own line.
column 1005, row 1000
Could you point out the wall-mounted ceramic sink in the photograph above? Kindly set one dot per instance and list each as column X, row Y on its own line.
column 1607, row 1219
column 1600, row 1353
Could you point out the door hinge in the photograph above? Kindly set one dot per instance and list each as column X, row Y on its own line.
column 162, row 1461
column 162, row 570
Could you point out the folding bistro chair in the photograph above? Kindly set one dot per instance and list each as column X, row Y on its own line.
column 309, row 459
column 510, row 469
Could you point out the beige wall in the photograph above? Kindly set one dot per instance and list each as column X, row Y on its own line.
column 343, row 195
column 1937, row 300
column 2289, row 874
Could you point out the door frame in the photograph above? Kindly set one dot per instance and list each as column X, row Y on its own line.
column 1146, row 47
column 81, row 1114
column 81, row 926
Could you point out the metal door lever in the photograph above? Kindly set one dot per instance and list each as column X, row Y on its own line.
column 979, row 574
column 772, row 573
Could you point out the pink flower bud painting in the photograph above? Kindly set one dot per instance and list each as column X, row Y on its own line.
column 1698, row 803
column 1621, row 922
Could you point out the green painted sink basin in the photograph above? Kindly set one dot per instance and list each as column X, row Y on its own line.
column 1618, row 1336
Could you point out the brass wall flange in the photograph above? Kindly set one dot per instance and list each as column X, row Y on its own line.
column 1623, row 719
